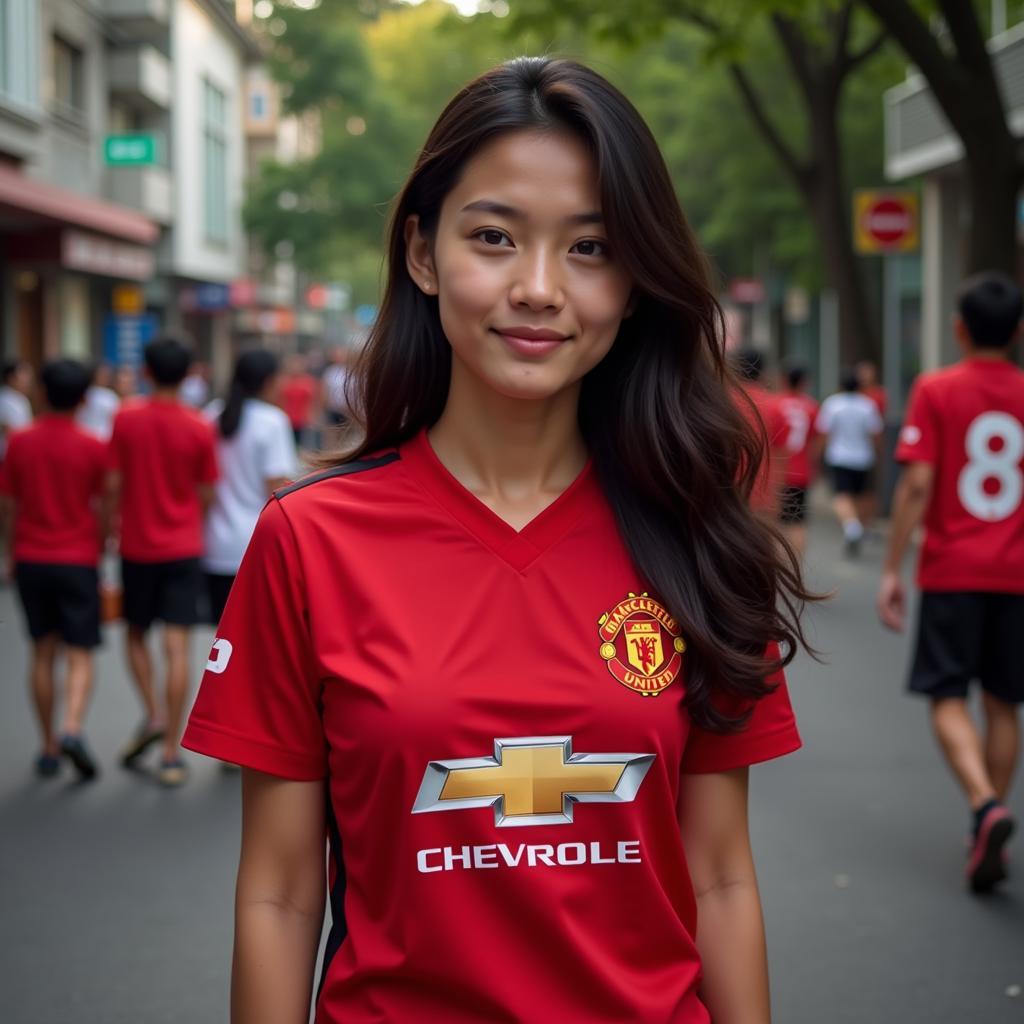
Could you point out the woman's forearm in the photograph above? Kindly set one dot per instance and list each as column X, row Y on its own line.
column 274, row 961
column 730, row 937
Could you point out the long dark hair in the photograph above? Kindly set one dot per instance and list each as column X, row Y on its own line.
column 675, row 456
column 252, row 371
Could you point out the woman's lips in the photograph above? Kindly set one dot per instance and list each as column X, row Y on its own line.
column 532, row 344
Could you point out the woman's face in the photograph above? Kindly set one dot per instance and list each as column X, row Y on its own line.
column 530, row 293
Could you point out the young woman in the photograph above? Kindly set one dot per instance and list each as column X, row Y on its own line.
column 514, row 651
column 256, row 455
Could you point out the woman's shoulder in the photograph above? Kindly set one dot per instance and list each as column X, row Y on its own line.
column 360, row 475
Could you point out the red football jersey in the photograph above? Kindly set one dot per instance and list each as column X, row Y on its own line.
column 500, row 722
column 54, row 471
column 799, row 411
column 967, row 421
column 765, row 495
column 164, row 451
column 297, row 394
column 877, row 395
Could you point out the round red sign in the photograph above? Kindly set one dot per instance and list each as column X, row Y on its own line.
column 888, row 221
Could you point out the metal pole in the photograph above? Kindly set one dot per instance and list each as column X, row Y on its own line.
column 891, row 341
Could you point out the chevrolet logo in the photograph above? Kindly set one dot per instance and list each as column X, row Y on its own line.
column 533, row 780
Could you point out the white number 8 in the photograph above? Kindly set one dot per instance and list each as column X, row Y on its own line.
column 984, row 464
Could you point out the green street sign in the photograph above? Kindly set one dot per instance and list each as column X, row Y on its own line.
column 130, row 150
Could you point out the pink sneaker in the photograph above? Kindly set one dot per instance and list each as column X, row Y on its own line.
column 986, row 865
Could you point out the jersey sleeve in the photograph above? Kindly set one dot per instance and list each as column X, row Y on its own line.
column 919, row 436
column 823, row 421
column 208, row 469
column 259, row 700
column 8, row 472
column 114, row 455
column 770, row 732
column 277, row 452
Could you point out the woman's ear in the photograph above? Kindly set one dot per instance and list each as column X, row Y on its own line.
column 419, row 258
column 631, row 305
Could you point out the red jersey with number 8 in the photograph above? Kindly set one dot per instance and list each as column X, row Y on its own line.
column 967, row 421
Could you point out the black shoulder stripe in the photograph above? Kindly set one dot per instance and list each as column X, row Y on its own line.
column 359, row 466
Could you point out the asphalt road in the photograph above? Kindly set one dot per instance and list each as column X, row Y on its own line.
column 115, row 898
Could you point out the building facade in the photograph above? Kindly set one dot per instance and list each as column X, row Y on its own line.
column 122, row 174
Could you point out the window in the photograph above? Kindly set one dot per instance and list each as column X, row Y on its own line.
column 258, row 106
column 68, row 77
column 215, row 163
column 19, row 47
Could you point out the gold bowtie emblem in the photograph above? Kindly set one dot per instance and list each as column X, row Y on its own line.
column 531, row 781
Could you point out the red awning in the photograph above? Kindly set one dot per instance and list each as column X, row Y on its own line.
column 27, row 195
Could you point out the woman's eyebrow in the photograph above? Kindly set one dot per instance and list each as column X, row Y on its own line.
column 504, row 210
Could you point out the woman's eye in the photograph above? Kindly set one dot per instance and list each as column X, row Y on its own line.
column 491, row 236
column 590, row 247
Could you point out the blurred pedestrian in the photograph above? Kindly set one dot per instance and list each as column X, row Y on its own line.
column 15, row 405
column 539, row 532
column 101, row 404
column 962, row 446
column 195, row 388
column 256, row 455
column 52, row 481
column 126, row 382
column 852, row 428
column 335, row 387
column 299, row 398
column 767, row 419
column 867, row 382
column 164, row 464
column 800, row 411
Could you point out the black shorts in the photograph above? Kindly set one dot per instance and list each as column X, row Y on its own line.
column 968, row 635
column 217, row 589
column 793, row 506
column 169, row 591
column 61, row 599
column 849, row 481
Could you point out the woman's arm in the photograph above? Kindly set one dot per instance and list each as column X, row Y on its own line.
column 730, row 930
column 279, row 900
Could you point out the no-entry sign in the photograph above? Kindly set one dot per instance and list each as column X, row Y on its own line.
column 886, row 221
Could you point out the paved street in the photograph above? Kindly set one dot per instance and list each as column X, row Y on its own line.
column 115, row 902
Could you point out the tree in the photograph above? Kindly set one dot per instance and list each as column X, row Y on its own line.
column 959, row 70
column 822, row 46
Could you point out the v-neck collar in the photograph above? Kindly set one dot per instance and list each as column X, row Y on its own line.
column 518, row 548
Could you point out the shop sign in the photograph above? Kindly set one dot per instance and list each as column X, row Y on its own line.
column 128, row 300
column 747, row 291
column 124, row 338
column 131, row 150
column 205, row 298
column 93, row 254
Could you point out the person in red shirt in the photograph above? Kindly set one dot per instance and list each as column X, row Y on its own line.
column 299, row 391
column 867, row 382
column 962, row 446
column 52, row 487
column 799, row 411
column 164, row 464
column 763, row 411
column 505, row 651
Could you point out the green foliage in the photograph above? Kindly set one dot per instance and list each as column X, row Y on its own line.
column 396, row 66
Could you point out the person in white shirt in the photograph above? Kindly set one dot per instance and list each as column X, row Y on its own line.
column 852, row 426
column 256, row 454
column 15, row 408
column 101, row 404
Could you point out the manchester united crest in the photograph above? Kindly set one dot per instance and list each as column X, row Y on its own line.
column 641, row 645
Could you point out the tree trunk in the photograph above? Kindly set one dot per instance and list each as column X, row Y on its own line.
column 992, row 189
column 829, row 203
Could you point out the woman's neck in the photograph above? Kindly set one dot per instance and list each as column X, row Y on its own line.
column 508, row 450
